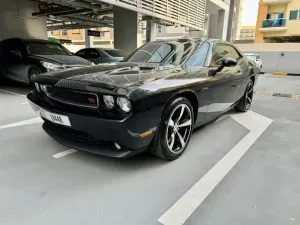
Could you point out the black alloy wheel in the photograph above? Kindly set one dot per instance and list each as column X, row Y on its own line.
column 174, row 131
column 246, row 101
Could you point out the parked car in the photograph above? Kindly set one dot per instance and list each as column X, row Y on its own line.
column 151, row 101
column 256, row 58
column 23, row 58
column 101, row 55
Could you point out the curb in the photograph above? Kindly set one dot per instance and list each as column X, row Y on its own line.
column 285, row 74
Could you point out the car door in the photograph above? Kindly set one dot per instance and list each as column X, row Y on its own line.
column 14, row 60
column 225, row 84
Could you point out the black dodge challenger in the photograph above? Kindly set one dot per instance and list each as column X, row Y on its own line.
column 151, row 101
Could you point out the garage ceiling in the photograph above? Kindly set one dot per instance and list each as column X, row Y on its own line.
column 74, row 14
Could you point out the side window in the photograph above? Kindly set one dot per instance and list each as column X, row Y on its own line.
column 94, row 54
column 81, row 53
column 224, row 51
column 220, row 52
column 233, row 53
column 198, row 57
column 257, row 58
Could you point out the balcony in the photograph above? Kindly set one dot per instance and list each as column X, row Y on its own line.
column 273, row 25
column 277, row 2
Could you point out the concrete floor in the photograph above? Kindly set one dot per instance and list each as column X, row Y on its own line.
column 81, row 188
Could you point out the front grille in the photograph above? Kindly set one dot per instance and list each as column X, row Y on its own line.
column 70, row 97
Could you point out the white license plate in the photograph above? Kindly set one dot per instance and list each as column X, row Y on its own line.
column 55, row 118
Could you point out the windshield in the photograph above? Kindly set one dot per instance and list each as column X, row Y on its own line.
column 172, row 52
column 46, row 48
column 115, row 53
column 251, row 57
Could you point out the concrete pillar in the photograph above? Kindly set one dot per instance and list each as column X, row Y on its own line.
column 88, row 39
column 231, row 20
column 17, row 20
column 127, row 29
column 151, row 31
column 218, row 24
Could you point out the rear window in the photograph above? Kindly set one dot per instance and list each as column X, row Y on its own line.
column 115, row 53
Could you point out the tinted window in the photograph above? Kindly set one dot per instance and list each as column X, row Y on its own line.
column 45, row 48
column 115, row 53
column 224, row 51
column 93, row 54
column 81, row 53
column 257, row 58
column 198, row 57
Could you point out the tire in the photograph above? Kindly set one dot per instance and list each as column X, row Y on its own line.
column 32, row 72
column 174, row 131
column 245, row 103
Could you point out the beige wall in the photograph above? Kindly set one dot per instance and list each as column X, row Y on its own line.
column 292, row 47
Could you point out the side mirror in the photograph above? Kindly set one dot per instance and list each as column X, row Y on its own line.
column 227, row 62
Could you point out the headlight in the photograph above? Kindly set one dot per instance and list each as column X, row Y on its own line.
column 124, row 104
column 109, row 101
column 93, row 64
column 37, row 87
column 52, row 66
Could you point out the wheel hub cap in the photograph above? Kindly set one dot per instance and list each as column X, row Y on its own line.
column 179, row 128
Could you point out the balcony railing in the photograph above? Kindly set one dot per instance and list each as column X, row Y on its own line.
column 274, row 23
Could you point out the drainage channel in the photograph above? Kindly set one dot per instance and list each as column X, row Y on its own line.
column 275, row 94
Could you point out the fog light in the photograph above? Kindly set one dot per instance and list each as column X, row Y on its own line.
column 117, row 146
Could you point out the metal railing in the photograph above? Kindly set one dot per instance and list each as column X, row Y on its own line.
column 274, row 23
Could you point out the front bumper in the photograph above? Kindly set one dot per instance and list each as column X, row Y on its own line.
column 98, row 135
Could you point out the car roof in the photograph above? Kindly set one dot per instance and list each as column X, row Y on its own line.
column 32, row 40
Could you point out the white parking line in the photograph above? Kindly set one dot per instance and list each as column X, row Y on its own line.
column 64, row 153
column 13, row 93
column 263, row 76
column 188, row 203
column 22, row 123
column 25, row 103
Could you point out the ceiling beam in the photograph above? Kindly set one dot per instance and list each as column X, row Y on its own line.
column 70, row 27
column 59, row 11
column 76, row 4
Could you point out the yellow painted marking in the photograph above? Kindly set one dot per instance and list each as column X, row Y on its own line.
column 296, row 96
column 280, row 73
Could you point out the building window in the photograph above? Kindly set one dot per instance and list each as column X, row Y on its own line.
column 275, row 16
column 295, row 15
column 64, row 32
column 102, row 34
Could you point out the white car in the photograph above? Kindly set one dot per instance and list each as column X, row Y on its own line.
column 256, row 58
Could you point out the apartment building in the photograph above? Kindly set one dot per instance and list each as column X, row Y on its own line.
column 278, row 21
column 247, row 33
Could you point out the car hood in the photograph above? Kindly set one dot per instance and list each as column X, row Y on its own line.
column 63, row 59
column 115, row 74
column 124, row 77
